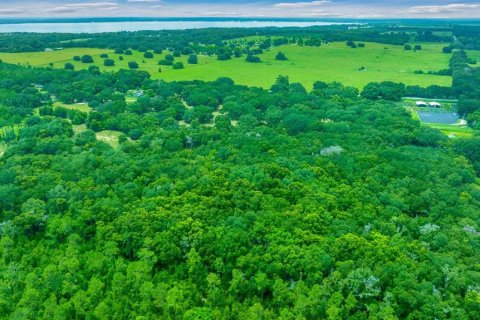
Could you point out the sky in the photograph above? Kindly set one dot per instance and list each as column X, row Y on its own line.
column 246, row 8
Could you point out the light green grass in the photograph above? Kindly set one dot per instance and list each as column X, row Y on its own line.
column 475, row 54
column 110, row 137
column 452, row 130
column 332, row 62
column 83, row 107
column 43, row 59
column 129, row 99
column 79, row 128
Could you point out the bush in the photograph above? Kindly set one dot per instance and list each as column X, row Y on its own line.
column 253, row 59
column 165, row 63
column 169, row 57
column 69, row 66
column 128, row 52
column 351, row 44
column 119, row 51
column 407, row 47
column 133, row 65
column 193, row 59
column 108, row 62
column 148, row 55
column 281, row 56
column 417, row 47
column 77, row 58
column 176, row 53
column 448, row 49
column 178, row 65
column 104, row 56
column 87, row 59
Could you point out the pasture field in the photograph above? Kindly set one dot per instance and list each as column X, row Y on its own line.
column 43, row 59
column 475, row 54
column 332, row 62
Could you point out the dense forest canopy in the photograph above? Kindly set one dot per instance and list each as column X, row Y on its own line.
column 221, row 201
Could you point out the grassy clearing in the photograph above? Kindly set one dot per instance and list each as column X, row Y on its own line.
column 83, row 107
column 43, row 59
column 129, row 99
column 332, row 62
column 454, row 131
column 110, row 137
column 79, row 128
column 474, row 54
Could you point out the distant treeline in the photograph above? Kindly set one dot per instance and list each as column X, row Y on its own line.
column 467, row 37
column 179, row 39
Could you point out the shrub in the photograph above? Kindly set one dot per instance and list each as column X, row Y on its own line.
column 133, row 65
column 87, row 59
column 281, row 56
column 193, row 59
column 252, row 58
column 108, row 62
column 165, row 62
column 178, row 65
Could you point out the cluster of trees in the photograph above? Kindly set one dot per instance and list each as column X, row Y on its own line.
column 354, row 45
column 408, row 47
column 288, row 204
column 386, row 90
column 466, row 83
column 467, row 37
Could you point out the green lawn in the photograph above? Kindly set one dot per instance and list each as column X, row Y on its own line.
column 110, row 137
column 42, row 59
column 332, row 62
column 83, row 107
column 455, row 131
column 474, row 54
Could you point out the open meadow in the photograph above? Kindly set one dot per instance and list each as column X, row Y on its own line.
column 331, row 62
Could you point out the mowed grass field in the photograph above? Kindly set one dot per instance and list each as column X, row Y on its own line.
column 332, row 62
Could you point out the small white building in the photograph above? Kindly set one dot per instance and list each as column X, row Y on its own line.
column 421, row 104
column 435, row 104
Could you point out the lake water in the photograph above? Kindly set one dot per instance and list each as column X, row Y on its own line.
column 99, row 27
